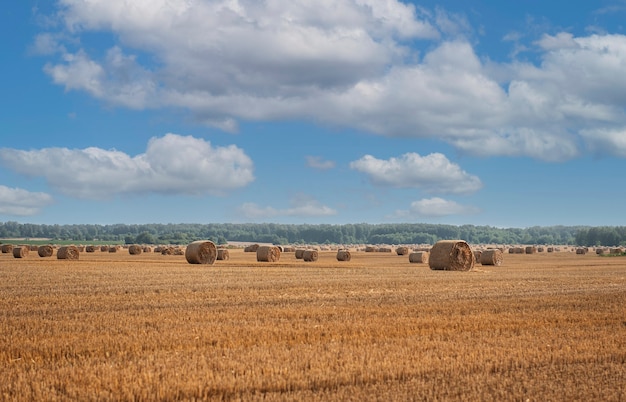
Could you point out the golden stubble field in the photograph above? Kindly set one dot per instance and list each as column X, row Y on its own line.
column 115, row 326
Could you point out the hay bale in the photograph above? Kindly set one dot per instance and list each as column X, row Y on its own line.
column 531, row 249
column 581, row 251
column 90, row 249
column 268, row 254
column 310, row 255
column 451, row 255
column 201, row 252
column 113, row 249
column 45, row 251
column 491, row 257
column 167, row 250
column 223, row 254
column 7, row 248
column 300, row 253
column 252, row 248
column 371, row 249
column 344, row 255
column 477, row 254
column 33, row 247
column 147, row 249
column 420, row 257
column 21, row 251
column 104, row 249
column 68, row 253
column 402, row 250
column 135, row 249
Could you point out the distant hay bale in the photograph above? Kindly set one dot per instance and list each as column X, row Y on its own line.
column 21, row 251
column 113, row 249
column 402, row 250
column 581, row 251
column 33, row 247
column 420, row 257
column 167, row 250
column 344, row 255
column 45, row 251
column 300, row 253
column 384, row 250
column 268, row 254
column 7, row 248
column 531, row 249
column 288, row 249
column 451, row 255
column 371, row 249
column 223, row 254
column 491, row 257
column 252, row 248
column 617, row 250
column 550, row 250
column 135, row 249
column 104, row 249
column 310, row 255
column 201, row 252
column 90, row 249
column 68, row 253
column 477, row 254
column 147, row 249
column 600, row 251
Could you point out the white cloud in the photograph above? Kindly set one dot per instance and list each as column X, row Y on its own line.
column 302, row 205
column 172, row 164
column 437, row 207
column 17, row 201
column 433, row 173
column 351, row 63
column 317, row 162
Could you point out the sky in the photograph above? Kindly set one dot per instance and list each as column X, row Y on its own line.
column 482, row 112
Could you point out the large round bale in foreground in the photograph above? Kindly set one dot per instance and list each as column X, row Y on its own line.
column 223, row 254
column 68, row 253
column 419, row 257
column 21, row 251
column 135, row 249
column 45, row 251
column 491, row 257
column 344, row 255
column 451, row 255
column 201, row 252
column 310, row 255
column 268, row 254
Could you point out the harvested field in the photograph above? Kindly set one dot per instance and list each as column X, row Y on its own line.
column 114, row 326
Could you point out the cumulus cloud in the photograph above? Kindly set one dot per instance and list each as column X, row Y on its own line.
column 172, row 164
column 352, row 63
column 301, row 205
column 436, row 207
column 317, row 162
column 17, row 201
column 433, row 173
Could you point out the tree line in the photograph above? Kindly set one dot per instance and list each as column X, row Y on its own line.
column 360, row 233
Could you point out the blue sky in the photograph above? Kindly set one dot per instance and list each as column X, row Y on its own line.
column 500, row 113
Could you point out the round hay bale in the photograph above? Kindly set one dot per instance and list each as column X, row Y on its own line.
column 268, row 254
column 300, row 253
column 581, row 251
column 21, row 251
column 223, row 254
column 104, row 248
column 531, row 249
column 201, row 252
column 135, row 249
column 147, row 249
column 477, row 254
column 451, row 255
column 45, row 251
column 113, row 249
column 310, row 255
column 252, row 248
column 167, row 250
column 371, row 249
column 491, row 257
column 33, row 247
column 90, row 249
column 7, row 248
column 344, row 255
column 402, row 250
column 420, row 257
column 68, row 253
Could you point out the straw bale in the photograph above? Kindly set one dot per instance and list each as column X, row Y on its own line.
column 581, row 250
column 104, row 248
column 90, row 249
column 45, row 251
column 68, row 253
column 491, row 257
column 135, row 249
column 252, row 248
column 147, row 249
column 402, row 250
column 223, row 254
column 371, row 249
column 451, row 255
column 300, row 253
column 21, row 251
column 7, row 248
column 33, row 247
column 344, row 255
column 268, row 254
column 310, row 255
column 200, row 252
column 531, row 249
column 419, row 257
column 477, row 254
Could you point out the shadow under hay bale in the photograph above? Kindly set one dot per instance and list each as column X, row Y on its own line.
column 451, row 255
column 201, row 252
column 419, row 257
column 45, row 251
column 268, row 254
column 491, row 257
column 344, row 255
column 68, row 253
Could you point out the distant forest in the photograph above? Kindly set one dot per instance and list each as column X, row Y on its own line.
column 360, row 233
